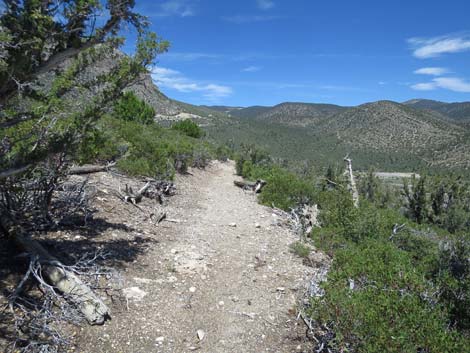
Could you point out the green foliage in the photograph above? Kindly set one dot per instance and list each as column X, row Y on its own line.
column 300, row 249
column 378, row 302
column 391, row 292
column 131, row 108
column 416, row 200
column 249, row 156
column 145, row 149
column 189, row 128
column 452, row 272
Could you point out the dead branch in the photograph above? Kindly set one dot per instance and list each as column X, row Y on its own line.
column 396, row 229
column 90, row 169
column 246, row 185
column 13, row 171
column 352, row 183
column 152, row 190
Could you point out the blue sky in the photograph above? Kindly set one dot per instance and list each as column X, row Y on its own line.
column 263, row 52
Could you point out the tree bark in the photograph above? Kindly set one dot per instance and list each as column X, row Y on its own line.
column 89, row 169
column 92, row 307
column 256, row 186
column 351, row 181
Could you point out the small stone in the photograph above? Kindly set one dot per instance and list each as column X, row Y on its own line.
column 257, row 225
column 221, row 303
column 134, row 293
column 232, row 224
column 192, row 289
column 173, row 251
column 201, row 334
column 280, row 289
column 235, row 299
column 160, row 339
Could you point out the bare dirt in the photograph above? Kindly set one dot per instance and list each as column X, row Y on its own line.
column 217, row 277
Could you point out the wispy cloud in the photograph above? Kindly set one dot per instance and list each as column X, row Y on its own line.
column 428, row 86
column 251, row 69
column 172, row 79
column 240, row 19
column 424, row 48
column 179, row 8
column 265, row 4
column 434, row 71
column 192, row 56
column 455, row 84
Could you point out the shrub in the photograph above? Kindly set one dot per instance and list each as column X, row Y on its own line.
column 284, row 189
column 300, row 249
column 452, row 271
column 377, row 301
column 189, row 128
column 131, row 108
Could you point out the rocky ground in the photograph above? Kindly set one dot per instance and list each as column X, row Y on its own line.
column 215, row 276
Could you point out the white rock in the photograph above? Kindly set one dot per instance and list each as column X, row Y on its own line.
column 173, row 251
column 232, row 224
column 134, row 293
column 201, row 334
column 192, row 289
column 221, row 303
column 160, row 339
column 172, row 279
column 257, row 225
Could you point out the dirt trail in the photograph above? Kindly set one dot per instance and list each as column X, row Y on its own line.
column 224, row 268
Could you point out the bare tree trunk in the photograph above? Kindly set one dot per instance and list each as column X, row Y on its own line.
column 256, row 187
column 90, row 169
column 92, row 307
column 352, row 182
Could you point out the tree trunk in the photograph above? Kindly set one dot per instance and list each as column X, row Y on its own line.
column 89, row 169
column 351, row 181
column 92, row 307
column 256, row 187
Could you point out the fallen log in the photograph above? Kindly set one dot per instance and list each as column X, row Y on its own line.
column 132, row 197
column 89, row 169
column 255, row 186
column 66, row 282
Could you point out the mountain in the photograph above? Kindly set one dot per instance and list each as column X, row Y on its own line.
column 288, row 113
column 241, row 112
column 299, row 114
column 456, row 111
column 381, row 135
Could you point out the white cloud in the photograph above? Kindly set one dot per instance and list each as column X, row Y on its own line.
column 434, row 71
column 428, row 86
column 181, row 8
column 265, row 4
column 451, row 83
column 251, row 69
column 172, row 79
column 436, row 46
column 240, row 19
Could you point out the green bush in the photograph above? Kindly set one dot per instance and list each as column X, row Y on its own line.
column 283, row 189
column 131, row 108
column 452, row 272
column 189, row 128
column 378, row 301
column 300, row 249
